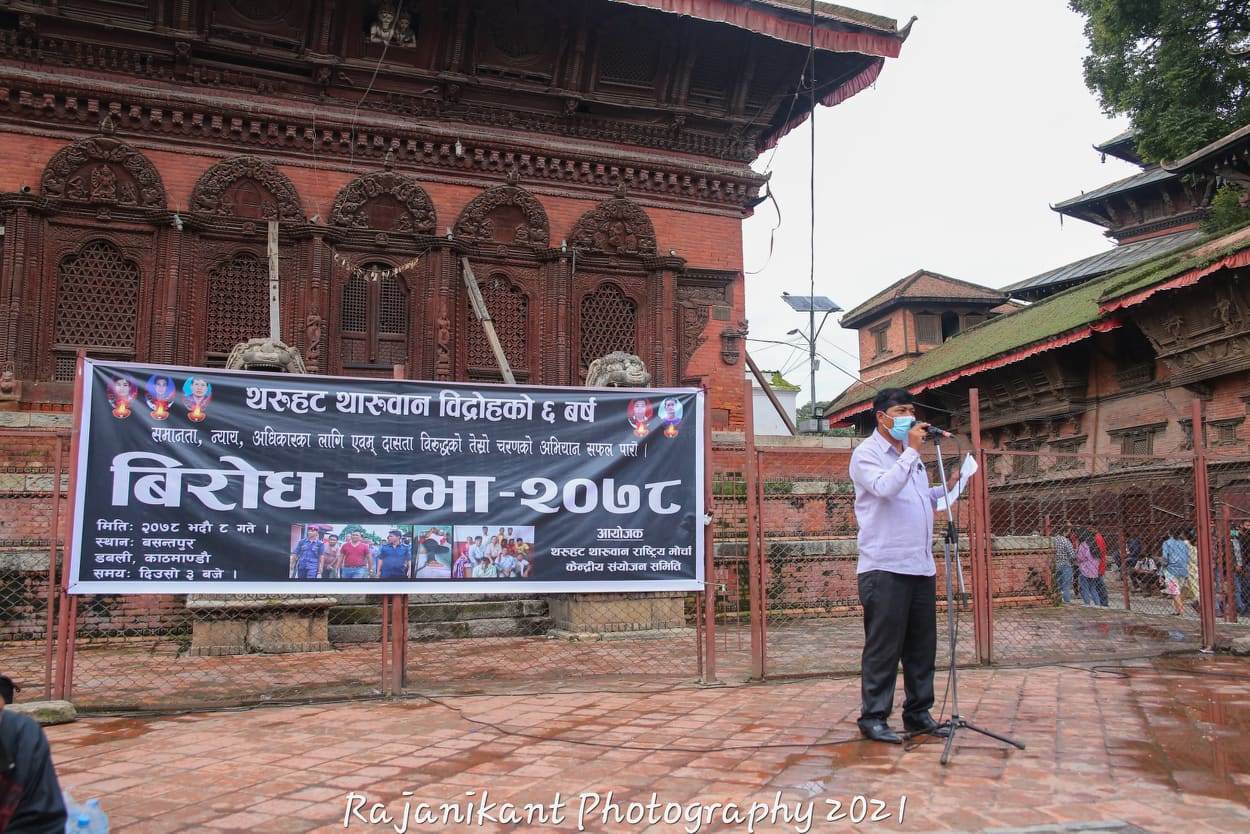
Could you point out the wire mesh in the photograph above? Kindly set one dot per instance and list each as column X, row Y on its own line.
column 1076, row 554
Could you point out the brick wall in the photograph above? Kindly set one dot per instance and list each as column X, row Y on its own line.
column 705, row 239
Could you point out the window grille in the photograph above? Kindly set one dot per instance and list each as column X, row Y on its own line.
column 609, row 323
column 238, row 304
column 509, row 310
column 97, row 302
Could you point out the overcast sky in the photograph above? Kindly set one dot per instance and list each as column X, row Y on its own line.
column 949, row 163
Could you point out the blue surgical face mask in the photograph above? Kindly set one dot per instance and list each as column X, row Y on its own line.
column 901, row 426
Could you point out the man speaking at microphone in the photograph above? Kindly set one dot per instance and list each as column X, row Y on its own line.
column 894, row 507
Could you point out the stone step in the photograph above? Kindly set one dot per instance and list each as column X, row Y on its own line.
column 445, row 619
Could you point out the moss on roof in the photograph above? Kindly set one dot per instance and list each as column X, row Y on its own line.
column 1052, row 317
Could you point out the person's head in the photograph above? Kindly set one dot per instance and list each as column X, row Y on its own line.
column 355, row 537
column 892, row 403
column 670, row 409
column 394, row 536
column 313, row 533
column 199, row 387
column 639, row 410
column 332, row 539
column 477, row 539
column 121, row 387
column 160, row 387
column 7, row 688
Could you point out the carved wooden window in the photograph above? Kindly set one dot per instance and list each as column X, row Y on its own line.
column 928, row 329
column 1026, row 463
column 238, row 305
column 374, row 319
column 1137, row 440
column 609, row 323
column 881, row 339
column 628, row 58
column 713, row 68
column 1067, row 452
column 96, row 306
column 973, row 319
column 509, row 310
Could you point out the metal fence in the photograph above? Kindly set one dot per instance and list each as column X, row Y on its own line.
column 783, row 591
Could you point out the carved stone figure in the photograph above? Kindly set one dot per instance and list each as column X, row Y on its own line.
column 265, row 355
column 383, row 29
column 10, row 386
column 405, row 36
column 313, row 330
column 618, row 370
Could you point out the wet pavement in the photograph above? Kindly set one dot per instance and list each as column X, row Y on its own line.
column 1159, row 745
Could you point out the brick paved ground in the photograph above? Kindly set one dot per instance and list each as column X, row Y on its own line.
column 152, row 673
column 1157, row 744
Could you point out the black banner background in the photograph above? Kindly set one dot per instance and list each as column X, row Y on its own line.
column 194, row 481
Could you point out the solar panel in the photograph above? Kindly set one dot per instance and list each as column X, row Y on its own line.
column 809, row 303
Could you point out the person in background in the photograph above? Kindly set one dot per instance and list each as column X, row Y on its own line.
column 1065, row 558
column 1087, row 563
column 30, row 795
column 1175, row 569
column 1100, row 584
column 330, row 558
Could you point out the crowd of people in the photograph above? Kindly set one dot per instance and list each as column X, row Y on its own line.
column 1081, row 559
column 504, row 554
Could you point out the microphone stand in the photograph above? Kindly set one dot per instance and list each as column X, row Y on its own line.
column 950, row 545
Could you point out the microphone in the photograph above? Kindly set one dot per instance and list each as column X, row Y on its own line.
column 934, row 431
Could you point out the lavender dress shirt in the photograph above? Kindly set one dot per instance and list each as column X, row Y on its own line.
column 894, row 505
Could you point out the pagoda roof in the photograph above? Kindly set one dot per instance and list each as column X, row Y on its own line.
column 760, row 16
column 1117, row 257
column 1122, row 146
column 922, row 285
column 1152, row 175
column 1231, row 150
column 1062, row 319
column 840, row 30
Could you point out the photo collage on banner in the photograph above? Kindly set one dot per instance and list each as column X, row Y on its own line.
column 191, row 480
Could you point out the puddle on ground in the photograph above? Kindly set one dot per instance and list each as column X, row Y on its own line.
column 1198, row 711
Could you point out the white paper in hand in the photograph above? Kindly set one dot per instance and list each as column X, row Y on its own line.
column 966, row 470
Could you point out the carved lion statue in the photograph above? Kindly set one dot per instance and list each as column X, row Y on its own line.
column 265, row 355
column 617, row 370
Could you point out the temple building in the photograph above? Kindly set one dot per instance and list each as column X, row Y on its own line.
column 1106, row 363
column 587, row 160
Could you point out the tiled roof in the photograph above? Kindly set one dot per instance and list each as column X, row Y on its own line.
column 1201, row 157
column 923, row 284
column 1118, row 257
column 1147, row 177
column 1121, row 146
column 1062, row 318
column 830, row 11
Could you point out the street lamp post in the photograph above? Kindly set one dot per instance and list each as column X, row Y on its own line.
column 811, row 304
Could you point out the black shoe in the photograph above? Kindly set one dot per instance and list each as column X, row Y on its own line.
column 878, row 730
column 924, row 724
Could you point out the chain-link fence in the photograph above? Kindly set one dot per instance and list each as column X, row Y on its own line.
column 784, row 581
column 1078, row 543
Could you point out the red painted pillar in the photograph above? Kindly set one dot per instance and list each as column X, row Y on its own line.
column 755, row 534
column 1202, row 508
column 980, row 538
column 709, row 545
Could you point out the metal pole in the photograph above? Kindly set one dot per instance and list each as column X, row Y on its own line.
column 709, row 547
column 275, row 331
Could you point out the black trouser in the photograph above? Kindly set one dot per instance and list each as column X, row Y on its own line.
column 900, row 623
